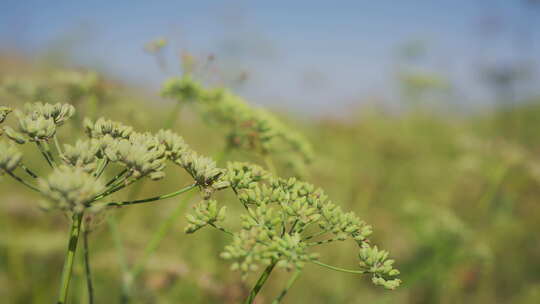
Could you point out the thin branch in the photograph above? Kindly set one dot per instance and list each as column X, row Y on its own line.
column 262, row 279
column 151, row 199
column 322, row 242
column 87, row 270
column 46, row 155
column 22, row 181
column 28, row 171
column 114, row 179
column 338, row 268
column 221, row 229
column 290, row 283
column 57, row 145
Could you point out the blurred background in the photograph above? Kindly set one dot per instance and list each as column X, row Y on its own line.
column 423, row 115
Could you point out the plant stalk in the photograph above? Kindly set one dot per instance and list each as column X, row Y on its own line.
column 287, row 287
column 151, row 199
column 87, row 269
column 69, row 257
column 262, row 279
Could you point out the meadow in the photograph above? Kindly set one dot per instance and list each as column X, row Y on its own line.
column 453, row 197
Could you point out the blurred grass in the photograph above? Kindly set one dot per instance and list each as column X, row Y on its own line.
column 453, row 197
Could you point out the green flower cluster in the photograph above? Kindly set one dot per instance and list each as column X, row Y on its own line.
column 83, row 154
column 285, row 220
column 250, row 128
column 140, row 154
column 70, row 189
column 103, row 127
column 39, row 121
column 206, row 213
column 376, row 262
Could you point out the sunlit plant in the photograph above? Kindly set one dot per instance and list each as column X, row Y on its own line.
column 77, row 184
column 284, row 222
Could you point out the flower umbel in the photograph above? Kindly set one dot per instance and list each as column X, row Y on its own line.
column 70, row 189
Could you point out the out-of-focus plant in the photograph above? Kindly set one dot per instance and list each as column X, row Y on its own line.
column 249, row 128
column 84, row 89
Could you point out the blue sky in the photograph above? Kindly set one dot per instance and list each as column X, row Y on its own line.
column 322, row 55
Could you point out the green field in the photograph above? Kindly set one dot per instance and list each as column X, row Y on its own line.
column 453, row 197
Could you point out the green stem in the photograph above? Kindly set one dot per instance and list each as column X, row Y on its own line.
column 57, row 145
column 70, row 255
column 28, row 171
column 338, row 269
column 87, row 270
column 114, row 179
column 46, row 154
column 315, row 235
column 101, row 167
column 116, row 189
column 322, row 242
column 221, row 229
column 290, row 283
column 22, row 181
column 262, row 279
column 151, row 199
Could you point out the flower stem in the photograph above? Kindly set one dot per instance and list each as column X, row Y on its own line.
column 151, row 199
column 87, row 270
column 22, row 181
column 70, row 255
column 46, row 153
column 287, row 287
column 339, row 269
column 28, row 171
column 262, row 279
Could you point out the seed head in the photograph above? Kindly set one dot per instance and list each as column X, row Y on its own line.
column 376, row 262
column 104, row 127
column 70, row 189
column 206, row 213
column 174, row 144
column 83, row 154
